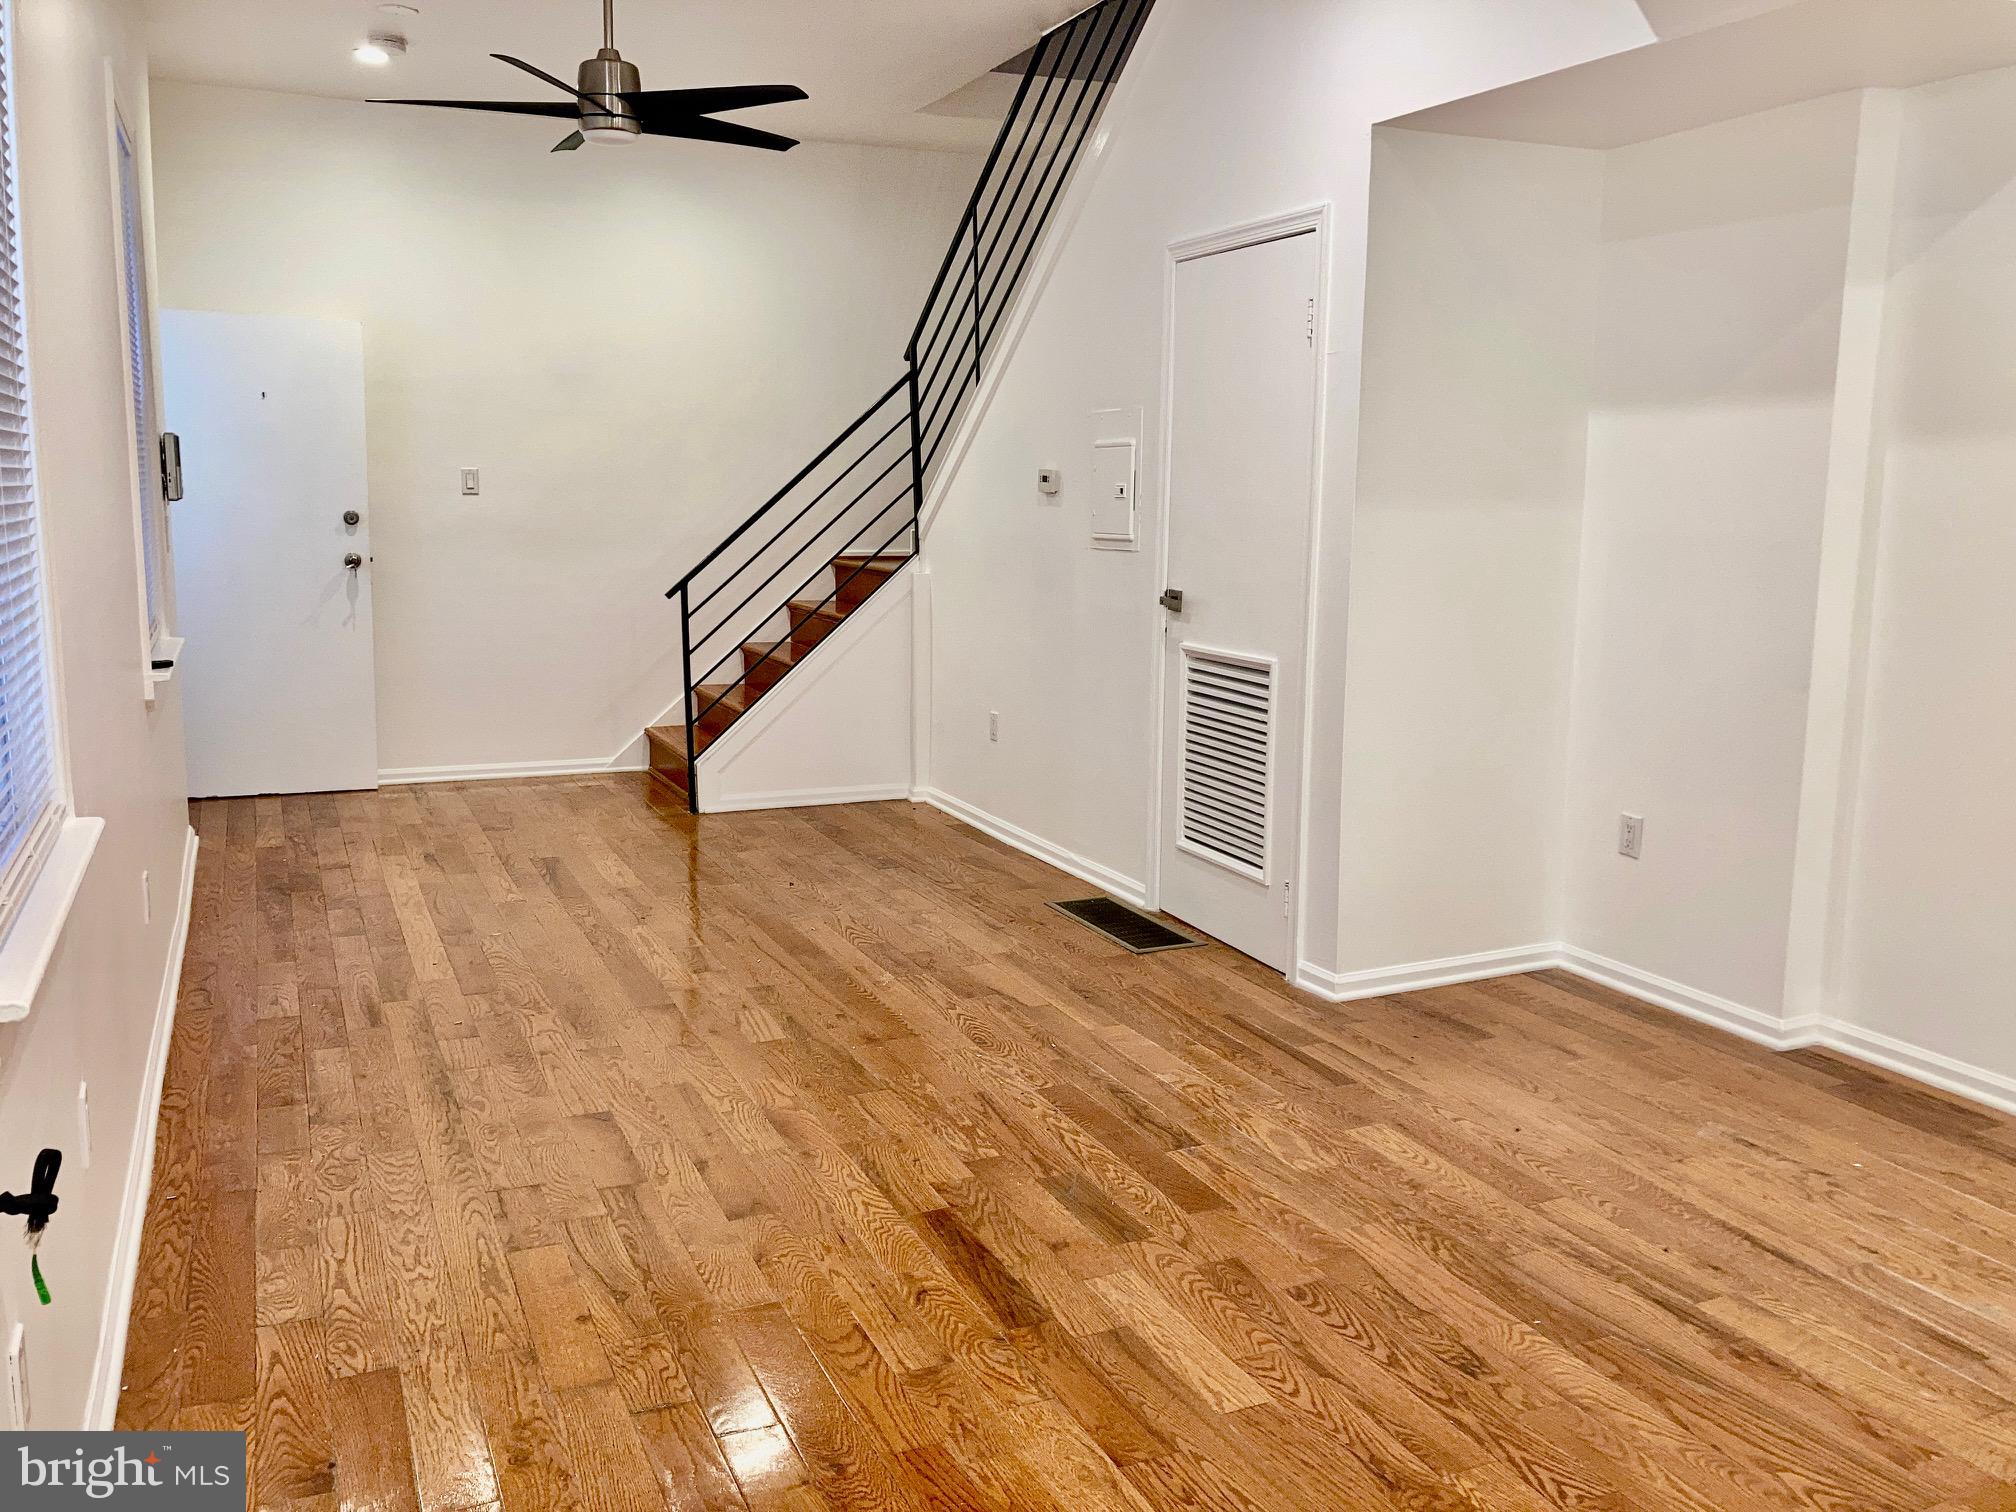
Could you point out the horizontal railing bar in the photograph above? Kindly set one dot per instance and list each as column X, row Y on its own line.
column 1067, row 78
column 966, row 274
column 803, row 473
column 1076, row 145
column 973, row 203
column 838, row 588
column 1000, row 307
column 818, row 498
column 785, row 566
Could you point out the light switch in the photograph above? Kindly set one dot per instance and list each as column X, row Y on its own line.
column 472, row 482
column 1049, row 482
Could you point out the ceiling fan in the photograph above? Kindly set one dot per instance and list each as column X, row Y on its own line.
column 611, row 107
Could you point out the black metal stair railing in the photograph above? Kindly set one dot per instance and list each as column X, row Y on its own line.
column 863, row 495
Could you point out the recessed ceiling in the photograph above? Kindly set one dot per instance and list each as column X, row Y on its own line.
column 874, row 68
column 1791, row 53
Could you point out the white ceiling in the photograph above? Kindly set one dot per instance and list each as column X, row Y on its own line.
column 1791, row 53
column 872, row 67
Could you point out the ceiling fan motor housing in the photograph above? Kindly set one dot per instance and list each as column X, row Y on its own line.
column 606, row 78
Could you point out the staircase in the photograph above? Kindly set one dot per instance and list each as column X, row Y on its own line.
column 759, row 605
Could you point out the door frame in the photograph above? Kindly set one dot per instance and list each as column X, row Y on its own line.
column 1312, row 220
column 166, row 645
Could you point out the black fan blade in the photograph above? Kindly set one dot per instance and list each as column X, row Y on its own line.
column 652, row 103
column 539, row 73
column 728, row 133
column 569, row 143
column 555, row 108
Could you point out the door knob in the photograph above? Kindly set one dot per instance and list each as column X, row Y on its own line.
column 353, row 561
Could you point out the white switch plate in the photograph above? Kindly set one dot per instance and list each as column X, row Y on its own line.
column 1049, row 482
column 84, row 1124
column 1631, row 836
column 472, row 481
column 993, row 726
column 146, row 897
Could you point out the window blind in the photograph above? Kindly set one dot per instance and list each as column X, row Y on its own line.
column 153, row 535
column 30, row 807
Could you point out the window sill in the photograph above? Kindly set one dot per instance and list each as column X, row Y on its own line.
column 25, row 957
column 167, row 649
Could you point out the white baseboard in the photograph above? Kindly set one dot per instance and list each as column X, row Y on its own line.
column 1351, row 986
column 1975, row 1083
column 507, row 771
column 809, row 798
column 1126, row 889
column 1753, row 1024
column 102, row 1405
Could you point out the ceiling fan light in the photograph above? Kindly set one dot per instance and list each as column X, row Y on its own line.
column 379, row 49
column 608, row 136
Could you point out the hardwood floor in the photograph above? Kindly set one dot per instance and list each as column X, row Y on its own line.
column 526, row 1147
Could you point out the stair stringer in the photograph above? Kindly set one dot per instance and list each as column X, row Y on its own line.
column 837, row 730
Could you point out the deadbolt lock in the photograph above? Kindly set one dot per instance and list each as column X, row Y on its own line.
column 1172, row 600
column 351, row 517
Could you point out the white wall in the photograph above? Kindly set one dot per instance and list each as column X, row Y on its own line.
column 1229, row 114
column 635, row 346
column 1478, row 342
column 95, row 1018
column 1930, row 951
column 1724, row 252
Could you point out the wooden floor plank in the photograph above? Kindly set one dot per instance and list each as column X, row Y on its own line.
column 530, row 1146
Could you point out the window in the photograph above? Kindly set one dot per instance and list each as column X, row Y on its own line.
column 31, row 803
column 140, row 364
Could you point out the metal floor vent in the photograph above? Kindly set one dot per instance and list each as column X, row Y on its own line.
column 1124, row 926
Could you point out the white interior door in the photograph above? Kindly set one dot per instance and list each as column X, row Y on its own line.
column 279, row 694
column 1242, row 431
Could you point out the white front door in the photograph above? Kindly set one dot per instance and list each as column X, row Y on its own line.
column 1242, row 434
column 272, row 582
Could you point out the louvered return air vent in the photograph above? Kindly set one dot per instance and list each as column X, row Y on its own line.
column 1227, row 760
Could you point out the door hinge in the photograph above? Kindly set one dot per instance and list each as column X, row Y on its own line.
column 1312, row 322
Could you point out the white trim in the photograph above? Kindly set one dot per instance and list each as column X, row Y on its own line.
column 1753, row 1024
column 102, row 1404
column 45, row 909
column 1976, row 1083
column 1386, row 981
column 142, row 300
column 1312, row 220
column 1942, row 1071
column 1126, row 889
column 512, row 771
column 805, row 673
column 810, row 798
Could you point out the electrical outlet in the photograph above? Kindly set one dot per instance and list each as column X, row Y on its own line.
column 994, row 726
column 472, row 482
column 15, row 1370
column 84, row 1123
column 1631, row 836
column 146, row 897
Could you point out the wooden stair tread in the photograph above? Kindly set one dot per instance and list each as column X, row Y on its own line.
column 711, row 696
column 668, row 744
